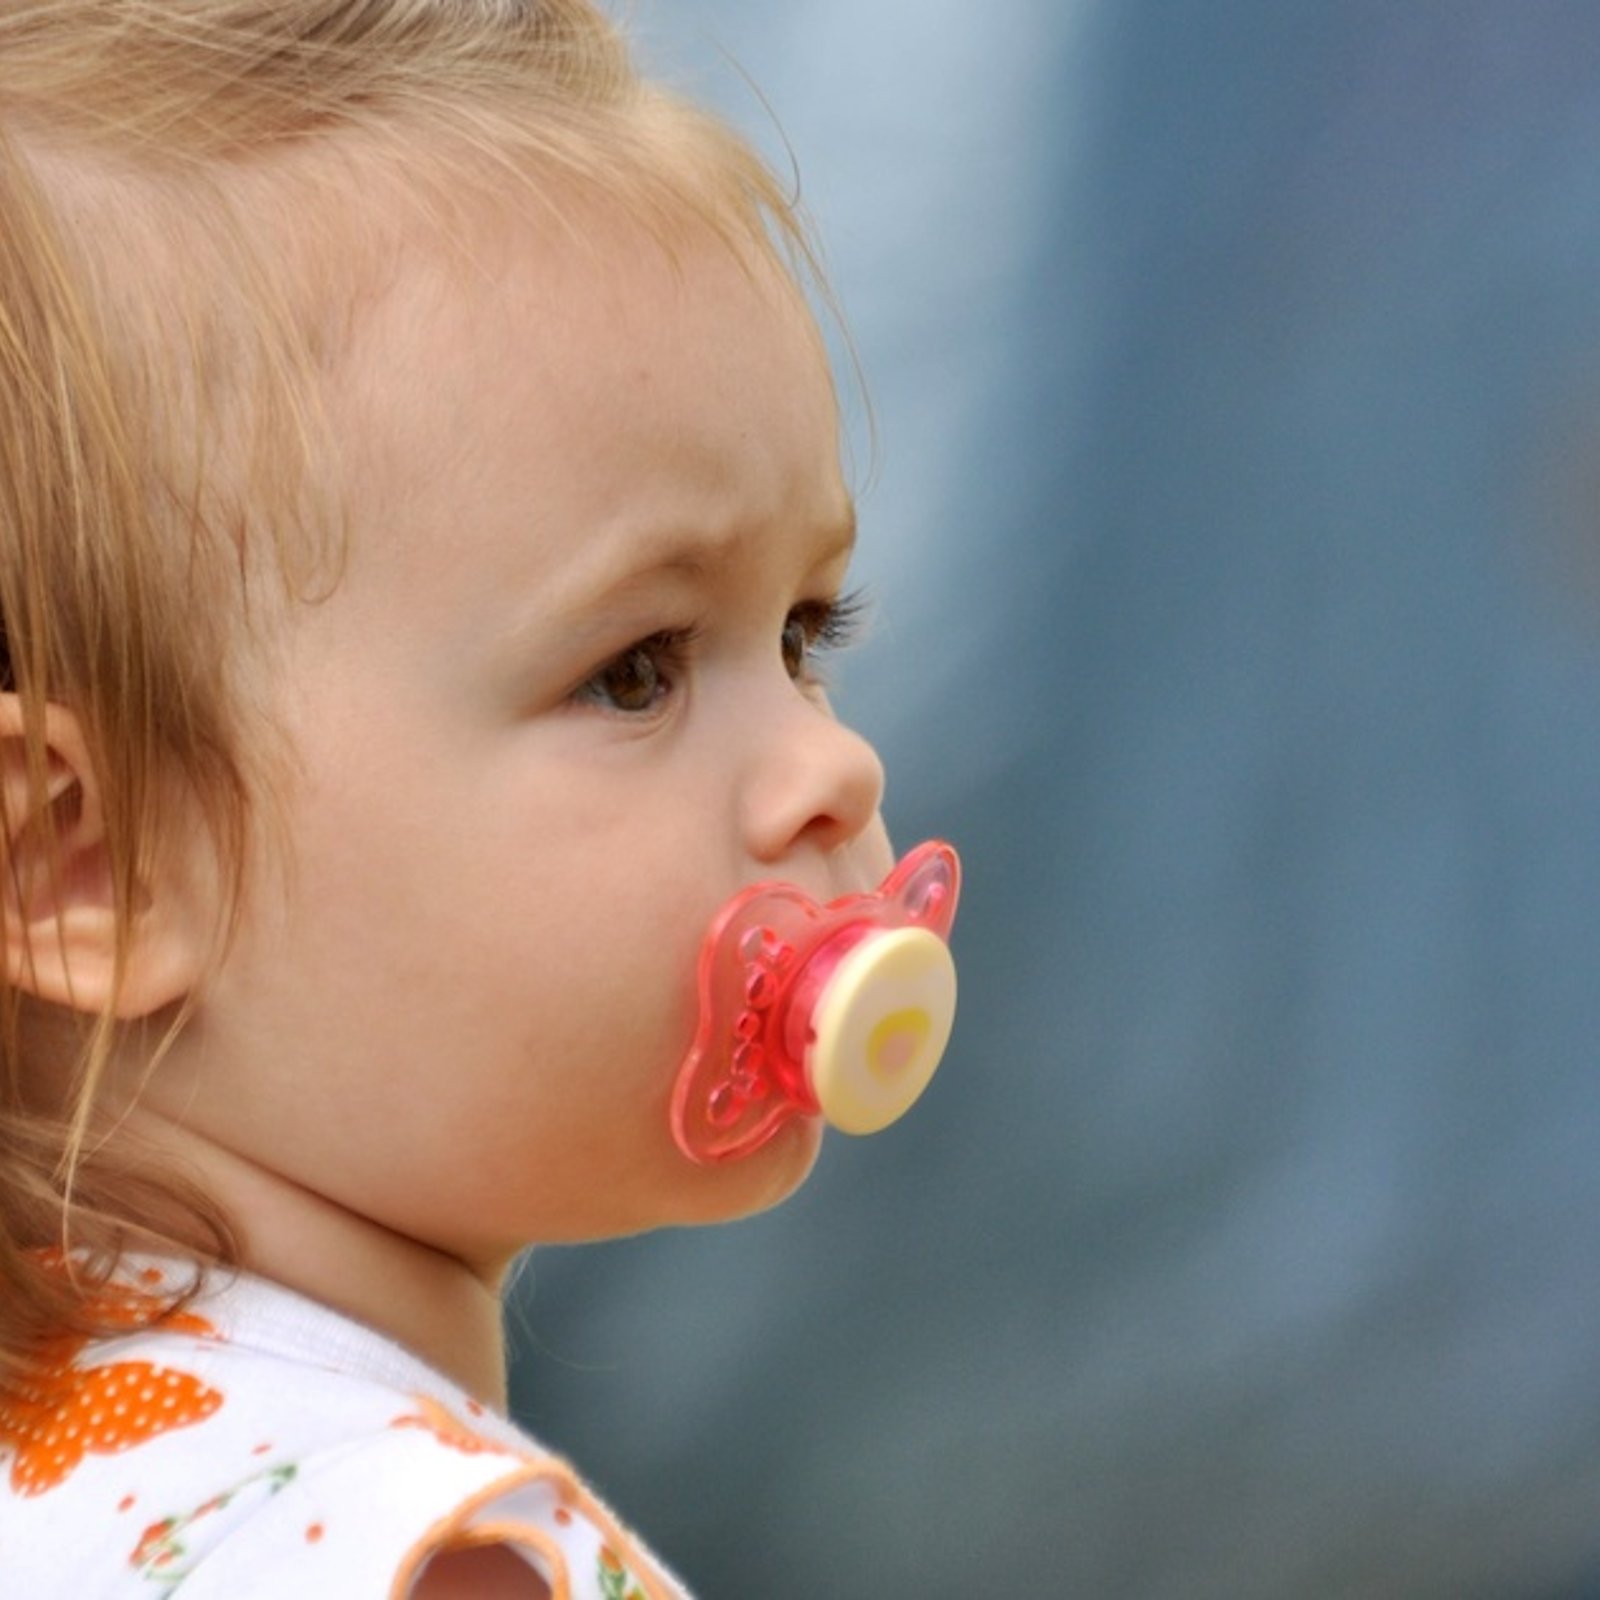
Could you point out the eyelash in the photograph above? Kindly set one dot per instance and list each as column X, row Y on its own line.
column 824, row 626
column 656, row 662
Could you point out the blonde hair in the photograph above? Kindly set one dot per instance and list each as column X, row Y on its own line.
column 193, row 197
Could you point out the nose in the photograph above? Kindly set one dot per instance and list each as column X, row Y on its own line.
column 814, row 784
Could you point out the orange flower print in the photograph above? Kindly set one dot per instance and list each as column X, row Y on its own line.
column 68, row 1412
column 73, row 1412
column 616, row 1582
column 164, row 1555
column 155, row 1547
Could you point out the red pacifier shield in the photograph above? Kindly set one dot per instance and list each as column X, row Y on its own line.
column 840, row 1010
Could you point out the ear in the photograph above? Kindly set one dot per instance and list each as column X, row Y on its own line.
column 58, row 915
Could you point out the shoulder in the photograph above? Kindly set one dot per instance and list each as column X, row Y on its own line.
column 185, row 1458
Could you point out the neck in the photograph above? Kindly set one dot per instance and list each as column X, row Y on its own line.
column 440, row 1308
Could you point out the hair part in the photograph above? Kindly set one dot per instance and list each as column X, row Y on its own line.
column 200, row 199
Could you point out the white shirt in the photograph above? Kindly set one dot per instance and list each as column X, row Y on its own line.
column 259, row 1445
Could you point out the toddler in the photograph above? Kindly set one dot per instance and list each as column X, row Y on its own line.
column 420, row 522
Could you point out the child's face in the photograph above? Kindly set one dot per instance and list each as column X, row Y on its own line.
column 548, row 721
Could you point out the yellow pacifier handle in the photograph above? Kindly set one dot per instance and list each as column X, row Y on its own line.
column 880, row 1026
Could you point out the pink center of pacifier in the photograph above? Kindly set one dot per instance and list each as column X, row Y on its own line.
column 897, row 1038
column 776, row 967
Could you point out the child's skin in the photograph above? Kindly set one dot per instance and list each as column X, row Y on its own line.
column 448, row 1023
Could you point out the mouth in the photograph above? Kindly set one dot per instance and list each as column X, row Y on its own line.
column 841, row 1009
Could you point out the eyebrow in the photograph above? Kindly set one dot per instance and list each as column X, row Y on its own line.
column 684, row 552
column 692, row 551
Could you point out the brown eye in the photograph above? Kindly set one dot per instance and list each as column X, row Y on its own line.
column 641, row 677
column 629, row 683
column 796, row 645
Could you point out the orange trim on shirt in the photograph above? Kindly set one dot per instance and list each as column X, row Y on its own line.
column 451, row 1533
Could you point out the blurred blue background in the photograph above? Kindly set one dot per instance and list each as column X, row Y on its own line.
column 1236, row 533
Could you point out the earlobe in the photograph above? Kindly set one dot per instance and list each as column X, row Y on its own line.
column 58, row 902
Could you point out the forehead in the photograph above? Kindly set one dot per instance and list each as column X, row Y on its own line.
column 529, row 420
column 540, row 355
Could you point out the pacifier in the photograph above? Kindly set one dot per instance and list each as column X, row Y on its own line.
column 840, row 1010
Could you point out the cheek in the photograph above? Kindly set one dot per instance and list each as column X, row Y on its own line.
column 589, row 966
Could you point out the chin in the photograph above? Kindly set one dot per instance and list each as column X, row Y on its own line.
column 749, row 1185
column 670, row 1191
